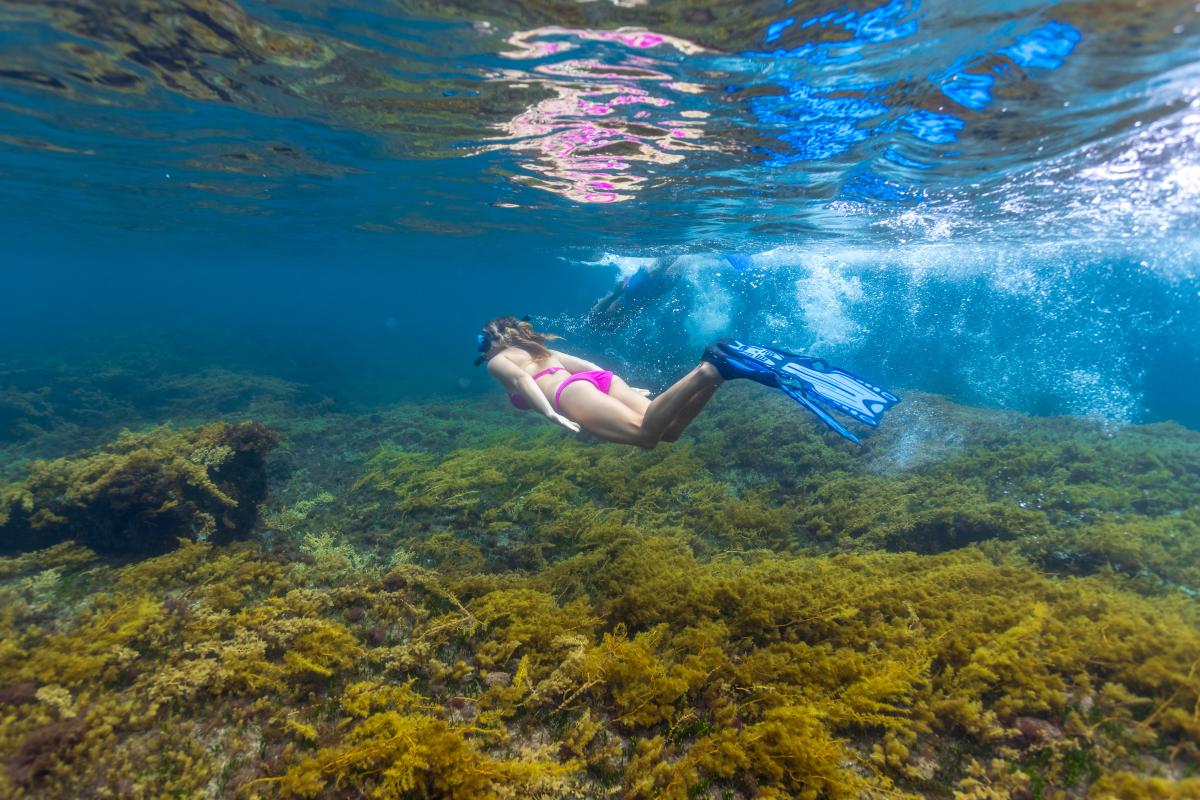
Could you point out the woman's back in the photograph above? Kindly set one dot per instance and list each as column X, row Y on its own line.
column 527, row 362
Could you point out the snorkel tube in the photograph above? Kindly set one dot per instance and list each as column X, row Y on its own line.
column 483, row 342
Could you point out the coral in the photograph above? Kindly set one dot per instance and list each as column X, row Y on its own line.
column 1165, row 547
column 1057, row 488
column 99, row 651
column 58, row 698
column 142, row 491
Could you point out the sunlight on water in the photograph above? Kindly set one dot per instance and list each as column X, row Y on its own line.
column 724, row 121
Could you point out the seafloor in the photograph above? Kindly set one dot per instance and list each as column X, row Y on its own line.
column 452, row 600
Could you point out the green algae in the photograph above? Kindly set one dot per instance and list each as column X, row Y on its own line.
column 474, row 609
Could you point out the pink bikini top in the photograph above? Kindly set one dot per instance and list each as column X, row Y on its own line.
column 519, row 400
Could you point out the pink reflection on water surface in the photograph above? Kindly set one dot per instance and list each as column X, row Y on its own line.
column 529, row 43
column 607, row 122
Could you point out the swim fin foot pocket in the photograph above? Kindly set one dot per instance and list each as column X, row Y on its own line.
column 811, row 382
column 732, row 367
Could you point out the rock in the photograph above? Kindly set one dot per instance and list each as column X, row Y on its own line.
column 1038, row 731
column 143, row 491
column 497, row 679
column 15, row 694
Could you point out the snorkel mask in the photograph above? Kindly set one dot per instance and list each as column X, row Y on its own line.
column 484, row 340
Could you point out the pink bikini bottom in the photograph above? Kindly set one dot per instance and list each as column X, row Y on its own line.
column 519, row 400
column 600, row 378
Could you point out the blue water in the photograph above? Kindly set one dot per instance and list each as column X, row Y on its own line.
column 994, row 201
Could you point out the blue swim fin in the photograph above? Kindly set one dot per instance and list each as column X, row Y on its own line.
column 811, row 382
column 740, row 263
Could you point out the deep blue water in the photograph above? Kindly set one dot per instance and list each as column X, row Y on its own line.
column 997, row 201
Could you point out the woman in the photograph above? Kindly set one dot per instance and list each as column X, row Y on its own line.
column 578, row 394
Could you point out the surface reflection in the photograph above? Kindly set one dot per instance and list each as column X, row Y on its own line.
column 597, row 137
column 806, row 118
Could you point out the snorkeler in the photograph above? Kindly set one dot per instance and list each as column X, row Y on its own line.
column 576, row 393
column 632, row 294
column 635, row 292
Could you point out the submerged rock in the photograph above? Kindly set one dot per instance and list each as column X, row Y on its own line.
column 142, row 492
column 497, row 679
column 1038, row 731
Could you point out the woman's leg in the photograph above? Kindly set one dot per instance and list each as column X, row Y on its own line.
column 621, row 391
column 689, row 413
column 602, row 416
column 701, row 382
column 610, row 419
column 639, row 403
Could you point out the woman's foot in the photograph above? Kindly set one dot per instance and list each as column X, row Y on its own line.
column 730, row 368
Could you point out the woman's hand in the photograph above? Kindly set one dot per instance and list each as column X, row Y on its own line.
column 642, row 392
column 569, row 424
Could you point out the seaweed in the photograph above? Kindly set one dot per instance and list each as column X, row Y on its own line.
column 477, row 611
column 143, row 491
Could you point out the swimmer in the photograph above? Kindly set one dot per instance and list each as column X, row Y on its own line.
column 577, row 394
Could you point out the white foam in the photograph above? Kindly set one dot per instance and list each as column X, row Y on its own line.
column 1024, row 325
column 709, row 317
column 626, row 265
column 825, row 296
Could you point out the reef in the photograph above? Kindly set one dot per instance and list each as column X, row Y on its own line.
column 444, row 602
column 142, row 492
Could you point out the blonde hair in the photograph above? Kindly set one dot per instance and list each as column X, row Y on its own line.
column 513, row 332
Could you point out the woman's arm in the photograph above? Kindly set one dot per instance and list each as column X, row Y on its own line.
column 516, row 380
